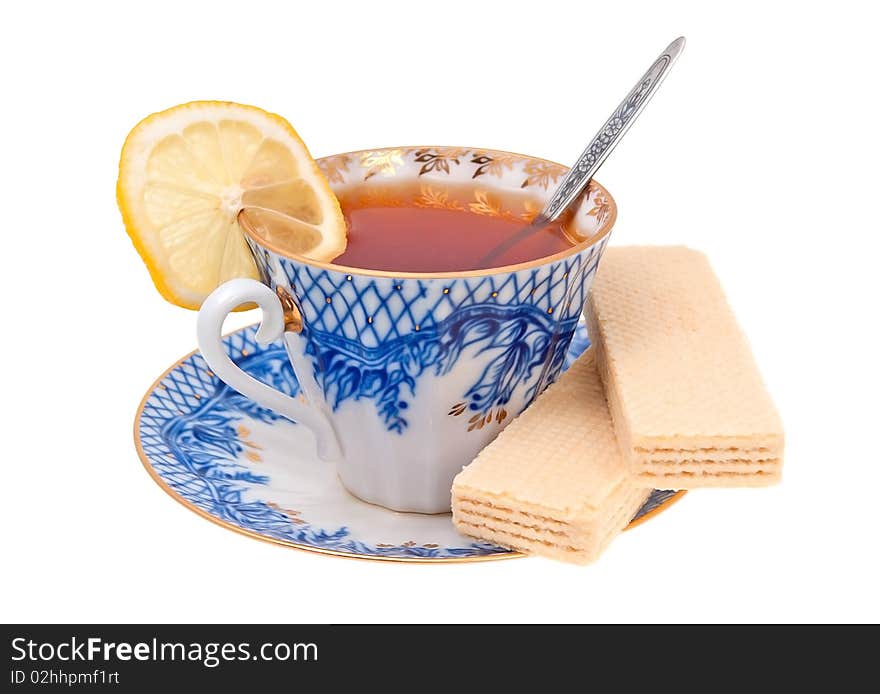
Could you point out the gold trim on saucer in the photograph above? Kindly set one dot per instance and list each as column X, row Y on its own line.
column 675, row 498
column 295, row 545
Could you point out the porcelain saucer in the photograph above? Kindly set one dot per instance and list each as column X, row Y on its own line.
column 252, row 471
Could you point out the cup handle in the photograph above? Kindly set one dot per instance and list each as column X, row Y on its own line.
column 216, row 307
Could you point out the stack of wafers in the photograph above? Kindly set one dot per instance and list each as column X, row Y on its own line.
column 668, row 397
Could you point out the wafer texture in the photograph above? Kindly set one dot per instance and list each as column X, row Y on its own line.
column 554, row 482
column 688, row 404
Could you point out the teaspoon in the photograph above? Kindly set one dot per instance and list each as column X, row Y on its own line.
column 595, row 154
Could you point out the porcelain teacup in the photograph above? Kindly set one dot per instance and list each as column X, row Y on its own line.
column 404, row 377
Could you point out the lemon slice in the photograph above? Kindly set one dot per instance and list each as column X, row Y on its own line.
column 186, row 173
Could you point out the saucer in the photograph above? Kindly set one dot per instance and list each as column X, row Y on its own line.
column 250, row 470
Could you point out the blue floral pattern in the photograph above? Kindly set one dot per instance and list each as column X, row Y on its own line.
column 519, row 336
column 372, row 338
column 188, row 432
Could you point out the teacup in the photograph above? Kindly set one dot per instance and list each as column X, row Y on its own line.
column 405, row 377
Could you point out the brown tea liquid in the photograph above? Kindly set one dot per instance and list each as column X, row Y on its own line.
column 421, row 227
column 440, row 228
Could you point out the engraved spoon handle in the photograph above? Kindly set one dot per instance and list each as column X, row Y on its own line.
column 610, row 134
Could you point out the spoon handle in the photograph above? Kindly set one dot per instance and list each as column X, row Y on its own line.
column 609, row 135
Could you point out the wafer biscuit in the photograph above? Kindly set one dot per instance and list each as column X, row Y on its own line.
column 554, row 482
column 687, row 401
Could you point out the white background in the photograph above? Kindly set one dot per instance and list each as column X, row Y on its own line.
column 760, row 149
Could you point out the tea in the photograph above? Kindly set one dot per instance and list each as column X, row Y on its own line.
column 440, row 228
column 436, row 228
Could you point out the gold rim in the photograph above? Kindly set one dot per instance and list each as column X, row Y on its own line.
column 145, row 461
column 654, row 511
column 604, row 230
